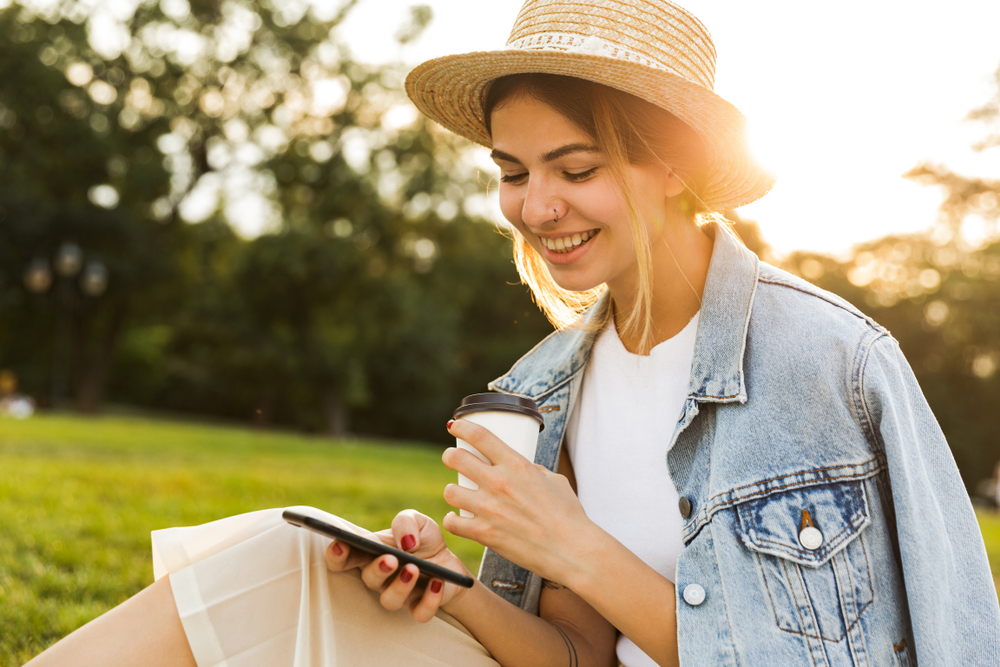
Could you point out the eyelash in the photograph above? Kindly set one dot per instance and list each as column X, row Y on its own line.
column 573, row 178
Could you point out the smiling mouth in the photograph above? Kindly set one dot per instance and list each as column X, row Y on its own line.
column 567, row 243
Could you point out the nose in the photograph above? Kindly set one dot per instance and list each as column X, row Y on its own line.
column 542, row 204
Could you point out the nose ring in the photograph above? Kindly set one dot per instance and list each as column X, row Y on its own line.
column 557, row 214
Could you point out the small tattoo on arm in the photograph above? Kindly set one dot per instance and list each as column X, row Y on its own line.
column 574, row 661
column 551, row 585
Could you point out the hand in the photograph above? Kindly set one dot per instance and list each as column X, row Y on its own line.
column 524, row 512
column 413, row 533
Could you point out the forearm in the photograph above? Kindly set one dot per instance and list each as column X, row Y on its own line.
column 515, row 637
column 632, row 596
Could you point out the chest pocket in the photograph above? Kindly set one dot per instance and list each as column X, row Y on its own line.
column 811, row 555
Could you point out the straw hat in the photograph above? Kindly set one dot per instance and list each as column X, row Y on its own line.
column 652, row 49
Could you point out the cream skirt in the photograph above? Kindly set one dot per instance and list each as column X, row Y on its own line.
column 253, row 590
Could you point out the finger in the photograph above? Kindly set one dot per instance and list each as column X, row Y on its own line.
column 427, row 606
column 386, row 538
column 490, row 446
column 406, row 530
column 467, row 463
column 377, row 572
column 461, row 526
column 340, row 557
column 461, row 498
column 395, row 594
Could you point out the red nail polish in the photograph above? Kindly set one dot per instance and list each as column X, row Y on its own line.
column 337, row 549
column 408, row 542
column 450, row 422
column 405, row 576
column 385, row 567
column 435, row 586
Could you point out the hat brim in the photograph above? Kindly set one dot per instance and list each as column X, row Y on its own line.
column 450, row 90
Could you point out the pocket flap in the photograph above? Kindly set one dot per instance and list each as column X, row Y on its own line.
column 773, row 524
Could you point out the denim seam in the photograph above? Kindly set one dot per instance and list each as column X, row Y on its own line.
column 794, row 474
column 865, row 412
column 729, row 623
column 864, row 550
column 767, row 587
column 807, row 602
column 775, row 280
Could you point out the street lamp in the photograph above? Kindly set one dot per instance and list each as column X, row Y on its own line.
column 95, row 279
column 38, row 278
column 69, row 260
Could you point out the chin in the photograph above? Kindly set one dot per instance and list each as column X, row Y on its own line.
column 575, row 283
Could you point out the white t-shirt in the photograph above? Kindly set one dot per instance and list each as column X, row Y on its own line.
column 617, row 440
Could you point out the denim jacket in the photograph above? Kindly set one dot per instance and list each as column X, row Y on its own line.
column 825, row 521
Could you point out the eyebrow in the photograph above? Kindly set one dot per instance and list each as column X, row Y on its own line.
column 555, row 154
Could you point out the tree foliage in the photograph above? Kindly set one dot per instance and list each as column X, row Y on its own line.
column 285, row 238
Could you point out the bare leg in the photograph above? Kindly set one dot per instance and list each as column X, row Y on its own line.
column 144, row 630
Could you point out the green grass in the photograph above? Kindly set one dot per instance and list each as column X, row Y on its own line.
column 79, row 497
column 989, row 524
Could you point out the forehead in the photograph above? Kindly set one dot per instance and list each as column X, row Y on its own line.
column 528, row 128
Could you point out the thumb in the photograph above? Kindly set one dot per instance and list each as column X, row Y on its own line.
column 406, row 528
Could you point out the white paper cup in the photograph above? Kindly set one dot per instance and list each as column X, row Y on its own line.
column 513, row 419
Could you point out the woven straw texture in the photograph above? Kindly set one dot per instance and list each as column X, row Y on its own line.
column 652, row 49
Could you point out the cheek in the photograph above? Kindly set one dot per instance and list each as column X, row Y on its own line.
column 511, row 205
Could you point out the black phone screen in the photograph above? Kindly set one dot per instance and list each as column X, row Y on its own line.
column 376, row 548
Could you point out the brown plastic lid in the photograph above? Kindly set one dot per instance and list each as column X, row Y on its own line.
column 492, row 401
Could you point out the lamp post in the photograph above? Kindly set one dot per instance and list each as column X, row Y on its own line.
column 38, row 278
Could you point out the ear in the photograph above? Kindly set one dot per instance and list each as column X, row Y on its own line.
column 672, row 185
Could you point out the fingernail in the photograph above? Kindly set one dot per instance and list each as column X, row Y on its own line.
column 450, row 422
column 435, row 586
column 408, row 542
column 405, row 576
column 337, row 549
column 385, row 567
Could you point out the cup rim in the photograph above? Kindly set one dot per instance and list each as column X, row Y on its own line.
column 497, row 402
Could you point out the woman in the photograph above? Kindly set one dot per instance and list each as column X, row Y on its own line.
column 750, row 473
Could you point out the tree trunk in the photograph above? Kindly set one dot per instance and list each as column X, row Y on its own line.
column 264, row 412
column 94, row 366
column 336, row 413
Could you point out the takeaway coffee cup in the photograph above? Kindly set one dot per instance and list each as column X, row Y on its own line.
column 513, row 419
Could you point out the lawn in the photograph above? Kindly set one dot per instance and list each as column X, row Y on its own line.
column 79, row 497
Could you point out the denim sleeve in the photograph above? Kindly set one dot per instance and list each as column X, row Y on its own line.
column 951, row 596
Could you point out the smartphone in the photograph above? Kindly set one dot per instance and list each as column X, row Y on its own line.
column 377, row 548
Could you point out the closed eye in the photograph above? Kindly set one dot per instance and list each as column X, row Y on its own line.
column 580, row 176
column 513, row 178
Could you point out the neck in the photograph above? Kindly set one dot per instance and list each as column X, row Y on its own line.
column 680, row 257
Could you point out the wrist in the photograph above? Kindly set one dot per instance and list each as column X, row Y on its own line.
column 464, row 600
column 586, row 567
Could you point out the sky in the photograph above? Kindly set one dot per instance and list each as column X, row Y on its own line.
column 842, row 98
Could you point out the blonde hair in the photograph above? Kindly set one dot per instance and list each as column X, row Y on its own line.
column 627, row 130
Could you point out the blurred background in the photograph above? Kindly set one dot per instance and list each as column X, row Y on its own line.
column 216, row 209
column 227, row 212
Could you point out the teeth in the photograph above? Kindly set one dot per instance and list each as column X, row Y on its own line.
column 567, row 243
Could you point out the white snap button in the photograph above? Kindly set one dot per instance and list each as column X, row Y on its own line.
column 810, row 538
column 694, row 594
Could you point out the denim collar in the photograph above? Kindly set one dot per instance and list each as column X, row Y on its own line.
column 717, row 368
